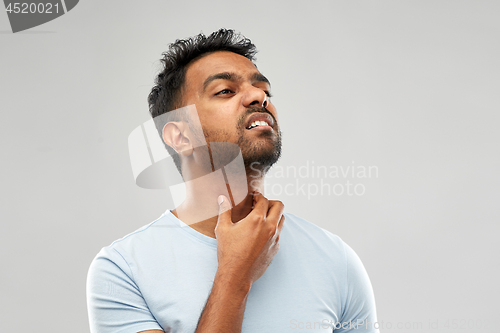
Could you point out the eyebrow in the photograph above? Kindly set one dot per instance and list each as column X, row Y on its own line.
column 256, row 77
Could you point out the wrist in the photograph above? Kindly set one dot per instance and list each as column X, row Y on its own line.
column 232, row 281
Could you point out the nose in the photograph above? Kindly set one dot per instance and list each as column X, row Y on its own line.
column 255, row 97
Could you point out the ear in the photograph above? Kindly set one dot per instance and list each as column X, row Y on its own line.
column 177, row 135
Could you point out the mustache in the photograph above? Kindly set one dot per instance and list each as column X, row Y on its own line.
column 252, row 110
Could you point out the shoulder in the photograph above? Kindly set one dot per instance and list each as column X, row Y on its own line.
column 122, row 251
column 142, row 234
column 338, row 259
column 307, row 230
column 314, row 240
column 114, row 299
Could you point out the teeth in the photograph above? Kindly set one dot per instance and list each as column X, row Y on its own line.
column 257, row 123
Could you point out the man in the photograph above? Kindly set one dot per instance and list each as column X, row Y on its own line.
column 219, row 269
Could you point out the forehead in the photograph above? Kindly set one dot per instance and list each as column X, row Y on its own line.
column 218, row 62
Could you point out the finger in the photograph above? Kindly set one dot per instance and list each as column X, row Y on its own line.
column 224, row 210
column 275, row 210
column 280, row 226
column 261, row 204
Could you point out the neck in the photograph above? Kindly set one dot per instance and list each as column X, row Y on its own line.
column 200, row 209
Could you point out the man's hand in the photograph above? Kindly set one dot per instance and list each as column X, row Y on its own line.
column 244, row 251
column 245, row 248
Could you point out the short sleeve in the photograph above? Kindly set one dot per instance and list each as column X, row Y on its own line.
column 114, row 301
column 359, row 311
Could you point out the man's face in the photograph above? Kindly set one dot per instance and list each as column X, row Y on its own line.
column 233, row 102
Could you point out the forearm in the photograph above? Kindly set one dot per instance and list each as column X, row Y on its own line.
column 225, row 306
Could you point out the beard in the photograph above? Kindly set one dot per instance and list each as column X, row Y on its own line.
column 258, row 154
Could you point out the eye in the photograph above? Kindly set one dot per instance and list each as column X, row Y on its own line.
column 225, row 92
column 268, row 94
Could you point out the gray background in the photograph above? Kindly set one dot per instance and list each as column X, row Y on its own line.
column 411, row 87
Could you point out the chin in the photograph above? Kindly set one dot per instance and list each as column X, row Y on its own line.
column 260, row 160
column 262, row 152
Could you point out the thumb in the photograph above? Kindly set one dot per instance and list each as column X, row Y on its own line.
column 224, row 210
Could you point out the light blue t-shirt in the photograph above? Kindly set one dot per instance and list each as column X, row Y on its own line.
column 160, row 277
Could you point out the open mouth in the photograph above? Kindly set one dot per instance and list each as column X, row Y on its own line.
column 260, row 121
